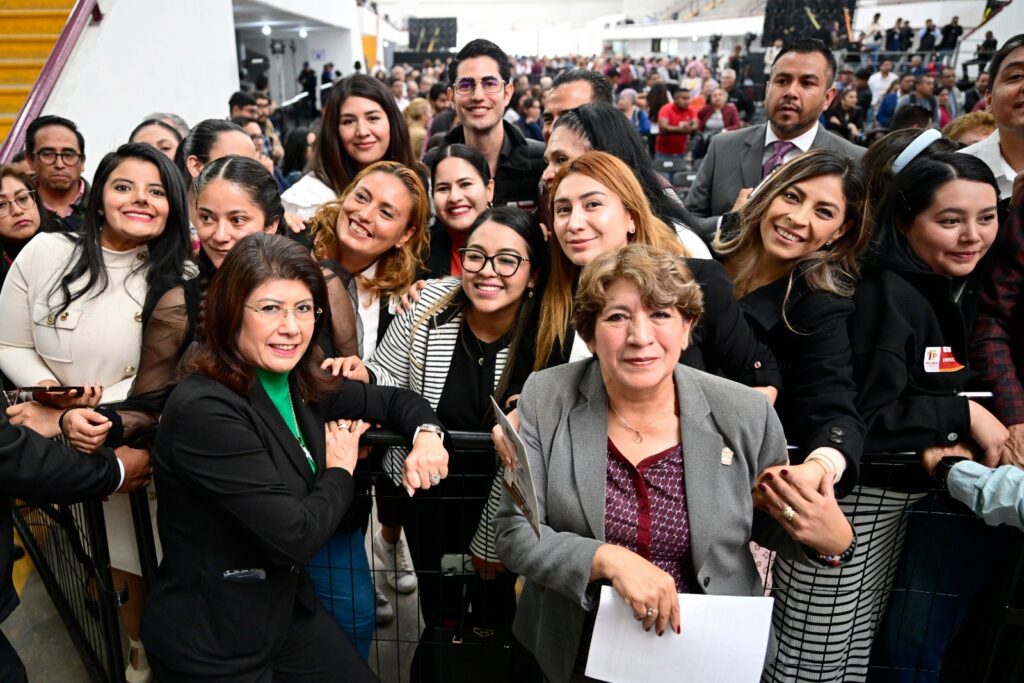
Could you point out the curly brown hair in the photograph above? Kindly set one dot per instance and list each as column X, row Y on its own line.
column 396, row 268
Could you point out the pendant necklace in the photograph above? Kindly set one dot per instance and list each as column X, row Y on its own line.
column 637, row 438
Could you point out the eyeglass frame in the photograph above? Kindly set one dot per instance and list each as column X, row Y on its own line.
column 457, row 88
column 490, row 259
column 317, row 312
column 41, row 154
column 5, row 204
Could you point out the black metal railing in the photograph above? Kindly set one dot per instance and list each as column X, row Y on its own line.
column 68, row 545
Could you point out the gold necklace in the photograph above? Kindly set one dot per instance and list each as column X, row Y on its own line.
column 637, row 437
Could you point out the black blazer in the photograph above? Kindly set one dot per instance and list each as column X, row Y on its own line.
column 817, row 404
column 907, row 383
column 236, row 492
column 36, row 468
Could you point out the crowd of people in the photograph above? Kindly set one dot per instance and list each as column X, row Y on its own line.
column 221, row 312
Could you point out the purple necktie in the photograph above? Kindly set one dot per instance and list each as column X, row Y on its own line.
column 780, row 148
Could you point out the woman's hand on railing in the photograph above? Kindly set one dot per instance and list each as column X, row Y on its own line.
column 85, row 428
column 427, row 463
column 808, row 513
column 349, row 367
column 649, row 590
column 342, row 442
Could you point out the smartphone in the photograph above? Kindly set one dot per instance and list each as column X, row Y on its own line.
column 51, row 390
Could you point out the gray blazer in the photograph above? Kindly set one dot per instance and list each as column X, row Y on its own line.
column 564, row 413
column 733, row 162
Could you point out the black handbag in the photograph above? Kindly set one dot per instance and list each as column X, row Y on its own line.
column 465, row 653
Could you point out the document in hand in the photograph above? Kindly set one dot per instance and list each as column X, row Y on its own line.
column 517, row 480
column 724, row 639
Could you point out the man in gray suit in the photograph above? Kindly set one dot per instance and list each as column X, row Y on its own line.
column 799, row 89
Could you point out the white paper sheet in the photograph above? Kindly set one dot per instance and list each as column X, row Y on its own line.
column 724, row 640
column 518, row 481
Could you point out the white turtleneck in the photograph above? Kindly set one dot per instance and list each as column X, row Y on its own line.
column 97, row 340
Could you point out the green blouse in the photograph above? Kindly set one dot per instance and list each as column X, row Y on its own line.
column 276, row 386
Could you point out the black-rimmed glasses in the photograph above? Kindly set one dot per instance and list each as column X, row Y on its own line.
column 49, row 156
column 505, row 265
column 24, row 200
column 490, row 84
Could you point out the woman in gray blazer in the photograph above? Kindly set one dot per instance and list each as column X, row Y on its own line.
column 621, row 499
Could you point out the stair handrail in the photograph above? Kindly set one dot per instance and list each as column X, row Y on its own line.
column 83, row 11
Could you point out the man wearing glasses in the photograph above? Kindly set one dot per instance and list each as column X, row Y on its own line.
column 56, row 150
column 481, row 90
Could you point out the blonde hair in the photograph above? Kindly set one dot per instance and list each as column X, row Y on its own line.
column 832, row 269
column 968, row 122
column 556, row 305
column 416, row 112
column 662, row 277
column 397, row 267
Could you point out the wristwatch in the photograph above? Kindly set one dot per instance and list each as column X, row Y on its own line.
column 942, row 468
column 432, row 428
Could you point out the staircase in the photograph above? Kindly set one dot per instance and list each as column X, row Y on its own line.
column 28, row 31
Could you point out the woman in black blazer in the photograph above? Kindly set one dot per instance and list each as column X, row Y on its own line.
column 793, row 258
column 251, row 484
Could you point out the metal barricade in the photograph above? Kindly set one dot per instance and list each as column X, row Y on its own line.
column 68, row 546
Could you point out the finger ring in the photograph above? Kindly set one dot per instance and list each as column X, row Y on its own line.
column 435, row 479
column 651, row 612
column 789, row 513
column 342, row 425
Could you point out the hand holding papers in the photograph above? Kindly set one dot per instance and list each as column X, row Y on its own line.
column 517, row 480
column 724, row 639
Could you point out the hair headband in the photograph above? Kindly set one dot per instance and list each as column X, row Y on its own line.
column 915, row 148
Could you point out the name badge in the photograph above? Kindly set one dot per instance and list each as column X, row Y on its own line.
column 727, row 454
column 941, row 359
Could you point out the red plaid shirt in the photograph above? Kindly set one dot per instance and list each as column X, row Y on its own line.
column 998, row 349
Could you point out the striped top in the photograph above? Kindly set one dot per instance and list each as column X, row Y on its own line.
column 420, row 360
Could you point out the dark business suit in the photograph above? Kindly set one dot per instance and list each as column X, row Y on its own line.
column 733, row 162
column 236, row 492
column 36, row 468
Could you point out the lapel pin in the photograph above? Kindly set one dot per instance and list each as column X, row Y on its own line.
column 727, row 456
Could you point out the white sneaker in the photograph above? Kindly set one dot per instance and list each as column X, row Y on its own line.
column 395, row 563
column 385, row 612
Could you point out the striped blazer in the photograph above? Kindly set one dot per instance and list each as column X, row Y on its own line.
column 420, row 360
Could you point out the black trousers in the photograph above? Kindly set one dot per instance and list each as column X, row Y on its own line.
column 315, row 651
column 11, row 668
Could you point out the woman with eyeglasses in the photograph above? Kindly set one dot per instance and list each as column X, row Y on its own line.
column 361, row 125
column 254, row 461
column 466, row 339
column 20, row 217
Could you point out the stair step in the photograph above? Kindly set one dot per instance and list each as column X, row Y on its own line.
column 27, row 46
column 6, row 123
column 66, row 5
column 32, row 20
column 20, row 71
column 12, row 97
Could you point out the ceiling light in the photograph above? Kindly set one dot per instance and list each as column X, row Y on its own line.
column 303, row 33
column 265, row 30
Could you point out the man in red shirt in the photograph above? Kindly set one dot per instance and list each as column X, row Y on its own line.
column 675, row 123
